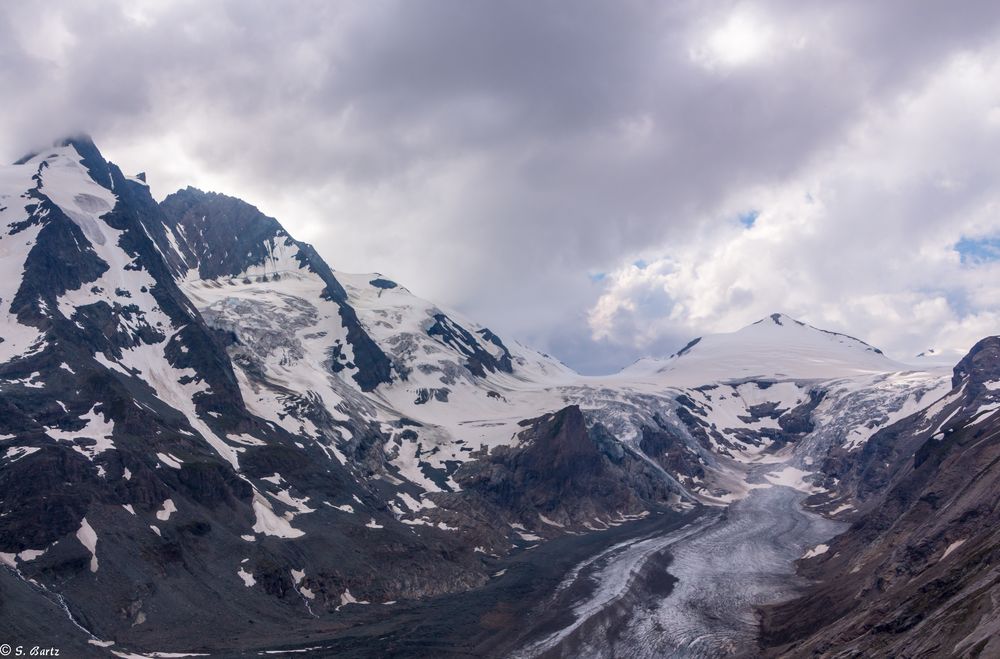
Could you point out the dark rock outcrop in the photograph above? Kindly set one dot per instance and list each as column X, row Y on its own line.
column 563, row 471
column 478, row 360
column 916, row 574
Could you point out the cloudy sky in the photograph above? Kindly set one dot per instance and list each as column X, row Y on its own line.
column 601, row 180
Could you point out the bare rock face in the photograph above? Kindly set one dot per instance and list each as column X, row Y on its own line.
column 565, row 473
column 792, row 418
column 916, row 574
column 222, row 237
column 981, row 366
column 478, row 360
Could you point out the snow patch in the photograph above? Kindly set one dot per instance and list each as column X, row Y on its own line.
column 95, row 427
column 169, row 460
column 346, row 598
column 794, row 478
column 952, row 547
column 88, row 538
column 816, row 551
column 247, row 577
column 15, row 453
column 268, row 523
column 168, row 508
column 275, row 479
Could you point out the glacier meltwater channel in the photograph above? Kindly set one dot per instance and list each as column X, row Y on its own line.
column 724, row 564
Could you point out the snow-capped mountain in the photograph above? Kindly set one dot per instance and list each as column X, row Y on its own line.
column 777, row 346
column 131, row 455
column 220, row 421
column 292, row 344
column 197, row 408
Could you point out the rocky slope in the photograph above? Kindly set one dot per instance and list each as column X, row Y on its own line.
column 916, row 574
column 137, row 481
column 198, row 413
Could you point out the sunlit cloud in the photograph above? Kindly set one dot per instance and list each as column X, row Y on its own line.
column 742, row 37
column 864, row 240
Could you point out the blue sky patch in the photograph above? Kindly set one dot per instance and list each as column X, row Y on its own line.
column 973, row 251
column 748, row 218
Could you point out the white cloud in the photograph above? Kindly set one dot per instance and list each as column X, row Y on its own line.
column 490, row 156
column 861, row 240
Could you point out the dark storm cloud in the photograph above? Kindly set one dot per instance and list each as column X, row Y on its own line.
column 489, row 155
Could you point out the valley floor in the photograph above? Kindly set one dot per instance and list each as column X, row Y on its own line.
column 495, row 620
column 721, row 567
column 670, row 585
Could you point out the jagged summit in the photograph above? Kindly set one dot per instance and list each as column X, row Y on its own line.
column 89, row 155
column 221, row 236
column 776, row 346
column 225, row 239
column 82, row 142
column 779, row 318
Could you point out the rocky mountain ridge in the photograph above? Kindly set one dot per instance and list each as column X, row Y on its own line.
column 916, row 573
column 198, row 409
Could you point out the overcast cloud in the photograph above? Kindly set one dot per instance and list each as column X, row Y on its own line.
column 601, row 180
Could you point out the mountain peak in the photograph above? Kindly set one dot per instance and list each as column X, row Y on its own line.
column 779, row 319
column 776, row 346
column 80, row 141
column 90, row 156
column 787, row 322
column 223, row 236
